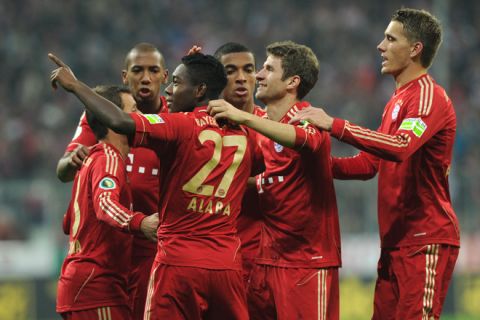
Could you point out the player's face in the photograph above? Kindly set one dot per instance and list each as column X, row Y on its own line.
column 144, row 75
column 128, row 103
column 395, row 49
column 180, row 92
column 240, row 69
column 271, row 87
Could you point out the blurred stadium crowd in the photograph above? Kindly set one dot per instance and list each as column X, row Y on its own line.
column 93, row 37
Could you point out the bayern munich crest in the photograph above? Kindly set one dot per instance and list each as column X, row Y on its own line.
column 396, row 109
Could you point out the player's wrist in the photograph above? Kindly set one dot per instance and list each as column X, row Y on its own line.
column 135, row 225
column 329, row 124
column 248, row 119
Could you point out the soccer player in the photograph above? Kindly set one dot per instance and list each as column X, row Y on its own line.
column 239, row 64
column 296, row 276
column 144, row 73
column 94, row 278
column 412, row 153
column 197, row 270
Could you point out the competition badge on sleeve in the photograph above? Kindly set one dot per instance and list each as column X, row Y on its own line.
column 107, row 184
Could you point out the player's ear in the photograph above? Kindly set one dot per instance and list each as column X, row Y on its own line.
column 293, row 82
column 416, row 50
column 124, row 77
column 165, row 74
column 201, row 90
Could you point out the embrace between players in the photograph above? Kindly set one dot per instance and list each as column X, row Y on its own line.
column 240, row 202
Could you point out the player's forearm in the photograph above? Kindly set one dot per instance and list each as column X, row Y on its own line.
column 358, row 167
column 111, row 211
column 284, row 134
column 108, row 114
column 65, row 171
column 396, row 147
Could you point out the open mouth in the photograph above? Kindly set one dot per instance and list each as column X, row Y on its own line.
column 144, row 92
column 241, row 92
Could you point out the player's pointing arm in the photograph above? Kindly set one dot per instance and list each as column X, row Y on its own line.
column 106, row 111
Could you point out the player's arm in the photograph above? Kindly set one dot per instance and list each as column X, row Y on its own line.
column 67, row 220
column 76, row 151
column 106, row 183
column 107, row 113
column 285, row 134
column 362, row 166
column 413, row 132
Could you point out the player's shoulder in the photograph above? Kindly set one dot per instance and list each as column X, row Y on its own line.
column 104, row 151
column 424, row 94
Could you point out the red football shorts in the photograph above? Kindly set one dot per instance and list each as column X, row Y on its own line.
column 195, row 293
column 413, row 281
column 137, row 289
column 293, row 293
column 101, row 313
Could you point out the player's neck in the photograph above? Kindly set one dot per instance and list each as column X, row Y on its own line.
column 149, row 107
column 278, row 108
column 410, row 73
column 119, row 141
column 248, row 107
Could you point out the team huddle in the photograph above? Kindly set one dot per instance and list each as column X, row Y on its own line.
column 199, row 204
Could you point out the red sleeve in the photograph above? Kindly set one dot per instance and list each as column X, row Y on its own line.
column 107, row 182
column 308, row 137
column 157, row 131
column 67, row 220
column 83, row 135
column 258, row 164
column 363, row 166
column 417, row 127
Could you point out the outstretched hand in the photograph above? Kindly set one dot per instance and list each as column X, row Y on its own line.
column 221, row 109
column 316, row 116
column 63, row 75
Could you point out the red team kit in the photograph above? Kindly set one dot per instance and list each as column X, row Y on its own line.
column 198, row 247
column 418, row 226
column 288, row 226
column 143, row 172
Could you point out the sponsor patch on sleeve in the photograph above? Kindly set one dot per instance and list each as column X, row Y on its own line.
column 416, row 125
column 107, row 184
column 303, row 124
column 153, row 118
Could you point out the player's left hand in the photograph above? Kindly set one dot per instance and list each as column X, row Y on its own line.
column 149, row 226
column 194, row 49
column 63, row 75
column 316, row 116
column 221, row 109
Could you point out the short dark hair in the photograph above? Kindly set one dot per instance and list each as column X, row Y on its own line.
column 421, row 26
column 144, row 47
column 205, row 69
column 109, row 92
column 297, row 60
column 231, row 47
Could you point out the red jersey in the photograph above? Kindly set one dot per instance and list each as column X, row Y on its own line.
column 298, row 201
column 249, row 222
column 95, row 271
column 208, row 167
column 417, row 135
column 143, row 169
